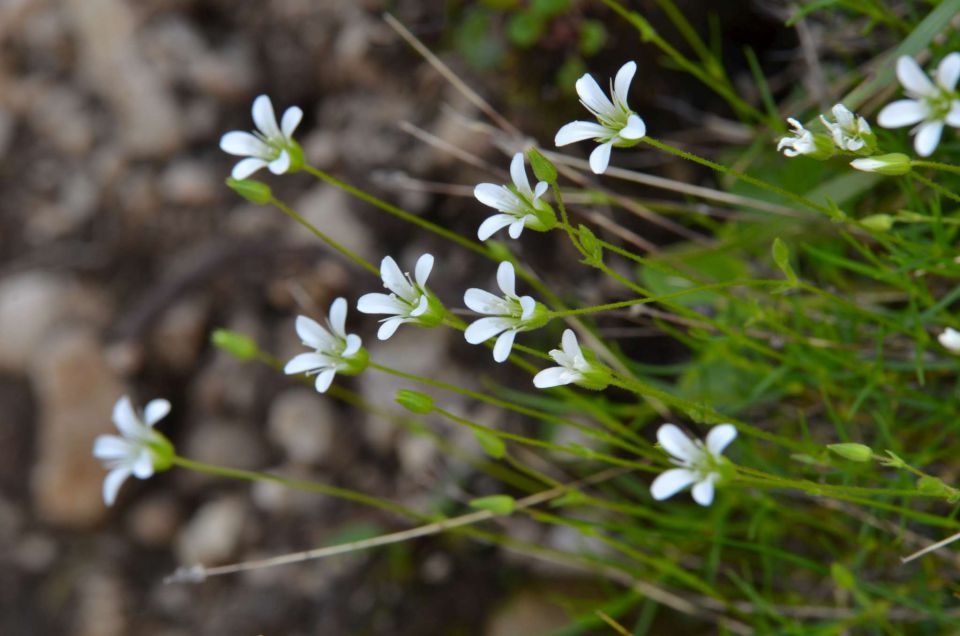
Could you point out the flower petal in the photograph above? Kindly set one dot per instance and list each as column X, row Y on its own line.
column 422, row 306
column 953, row 117
column 109, row 447
column 949, row 71
column 338, row 317
column 506, row 278
column 376, row 303
column 143, row 465
column 903, row 112
column 516, row 228
column 519, row 175
column 324, row 380
column 668, row 484
column 720, row 436
column 306, row 362
column 422, row 269
column 264, row 117
column 554, row 376
column 247, row 167
column 494, row 224
column 621, row 85
column 353, row 345
column 913, row 78
column 281, row 164
column 112, row 483
column 928, row 136
column 569, row 344
column 290, row 120
column 485, row 328
column 314, row 335
column 394, row 280
column 125, row 418
column 600, row 158
column 579, row 131
column 675, row 442
column 539, row 190
column 155, row 411
column 635, row 128
column 703, row 491
column 389, row 327
column 483, row 302
column 496, row 197
column 501, row 350
column 243, row 144
column 527, row 306
column 593, row 96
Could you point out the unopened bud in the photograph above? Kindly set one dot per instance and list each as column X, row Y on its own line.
column 853, row 452
column 893, row 163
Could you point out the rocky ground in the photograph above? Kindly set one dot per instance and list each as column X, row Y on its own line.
column 121, row 249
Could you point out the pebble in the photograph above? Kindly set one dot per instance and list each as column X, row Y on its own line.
column 181, row 333
column 213, row 534
column 154, row 520
column 30, row 304
column 76, row 390
column 302, row 423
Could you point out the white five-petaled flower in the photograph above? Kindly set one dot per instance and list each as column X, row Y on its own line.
column 574, row 367
column 519, row 205
column 270, row 145
column 138, row 450
column 336, row 351
column 409, row 301
column 699, row 464
column 931, row 104
column 849, row 132
column 950, row 339
column 506, row 315
column 618, row 125
column 800, row 143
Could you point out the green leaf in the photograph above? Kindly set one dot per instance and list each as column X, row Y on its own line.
column 781, row 256
column 524, row 29
column 593, row 35
column 590, row 245
column 497, row 504
column 477, row 41
column 543, row 168
column 491, row 444
column 549, row 8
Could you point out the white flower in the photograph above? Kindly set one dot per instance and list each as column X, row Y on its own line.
column 336, row 350
column 574, row 367
column 270, row 145
column 508, row 315
column 518, row 205
column 139, row 451
column 801, row 143
column 849, row 132
column 700, row 464
column 892, row 163
column 410, row 300
column 618, row 125
column 930, row 104
column 950, row 339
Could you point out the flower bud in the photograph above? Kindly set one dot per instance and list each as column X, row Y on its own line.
column 414, row 401
column 893, row 163
column 252, row 190
column 853, row 452
column 877, row 222
column 236, row 344
column 543, row 168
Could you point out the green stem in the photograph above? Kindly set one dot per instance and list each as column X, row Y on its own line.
column 936, row 165
column 769, row 187
column 933, row 185
column 298, row 484
column 564, row 220
column 397, row 212
column 348, row 253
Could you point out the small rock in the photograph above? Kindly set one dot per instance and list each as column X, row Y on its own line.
column 330, row 209
column 213, row 534
column 30, row 304
column 154, row 520
column 181, row 333
column 529, row 612
column 418, row 454
column 190, row 183
column 76, row 391
column 223, row 442
column 302, row 423
column 35, row 553
column 101, row 606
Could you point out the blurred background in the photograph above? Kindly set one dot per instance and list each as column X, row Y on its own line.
column 121, row 249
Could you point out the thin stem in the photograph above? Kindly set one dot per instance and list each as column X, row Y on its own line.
column 769, row 187
column 397, row 212
column 936, row 165
column 933, row 185
column 348, row 253
column 564, row 220
column 298, row 484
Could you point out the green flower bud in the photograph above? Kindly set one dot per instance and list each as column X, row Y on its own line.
column 414, row 401
column 251, row 190
column 894, row 163
column 497, row 504
column 851, row 451
column 543, row 168
column 236, row 344
column 877, row 222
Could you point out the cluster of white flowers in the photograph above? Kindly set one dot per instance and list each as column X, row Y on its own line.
column 931, row 104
